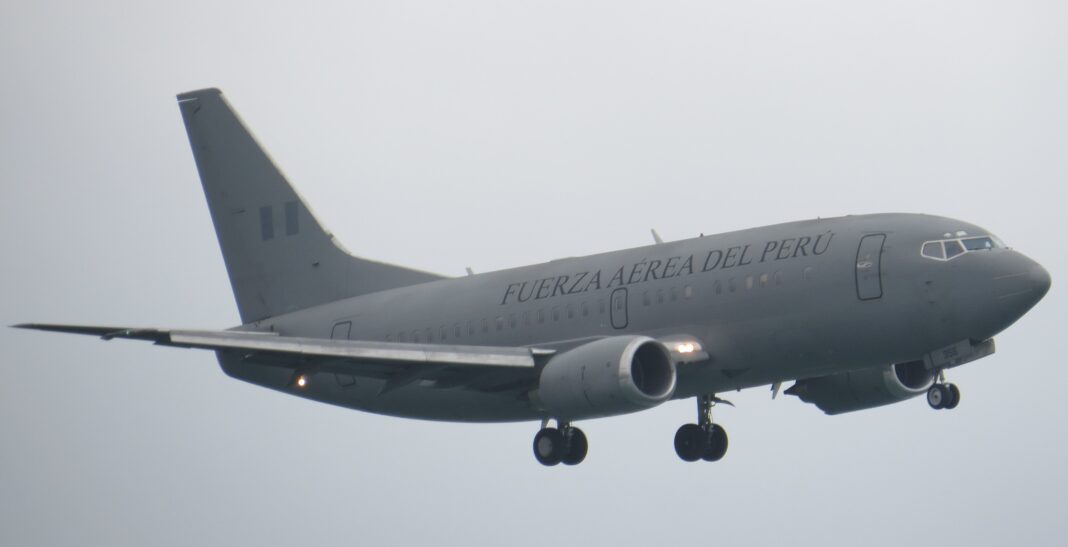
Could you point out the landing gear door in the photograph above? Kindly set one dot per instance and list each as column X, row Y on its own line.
column 869, row 267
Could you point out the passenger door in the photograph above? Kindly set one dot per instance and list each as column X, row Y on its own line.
column 869, row 267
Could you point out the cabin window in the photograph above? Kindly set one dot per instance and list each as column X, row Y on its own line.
column 500, row 322
column 485, row 325
column 401, row 337
column 470, row 327
column 600, row 306
column 456, row 330
column 660, row 296
column 389, row 338
column 807, row 274
column 674, row 291
column 778, row 278
column 748, row 282
column 645, row 298
column 687, row 292
column 556, row 313
column 979, row 244
column 541, row 316
column 429, row 334
column 570, row 311
column 717, row 288
column 585, row 309
column 443, row 332
column 526, row 318
column 763, row 280
column 511, row 320
column 415, row 336
column 730, row 284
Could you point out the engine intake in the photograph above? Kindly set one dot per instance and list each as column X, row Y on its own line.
column 607, row 377
column 867, row 388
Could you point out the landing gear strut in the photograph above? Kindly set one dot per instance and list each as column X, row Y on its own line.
column 943, row 395
column 703, row 440
column 564, row 444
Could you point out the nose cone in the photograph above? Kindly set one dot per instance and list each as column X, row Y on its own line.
column 1041, row 282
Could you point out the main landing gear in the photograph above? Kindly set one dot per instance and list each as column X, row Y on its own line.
column 704, row 440
column 943, row 395
column 566, row 445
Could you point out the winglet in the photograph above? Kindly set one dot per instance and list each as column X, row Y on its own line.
column 656, row 236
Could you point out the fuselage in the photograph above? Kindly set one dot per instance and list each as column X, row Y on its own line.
column 770, row 304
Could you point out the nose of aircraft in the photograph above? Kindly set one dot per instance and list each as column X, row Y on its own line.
column 1041, row 281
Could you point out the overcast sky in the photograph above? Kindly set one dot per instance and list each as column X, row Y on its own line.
column 494, row 134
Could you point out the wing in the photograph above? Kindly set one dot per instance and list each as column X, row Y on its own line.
column 483, row 368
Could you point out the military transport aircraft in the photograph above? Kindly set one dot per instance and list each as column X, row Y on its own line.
column 857, row 312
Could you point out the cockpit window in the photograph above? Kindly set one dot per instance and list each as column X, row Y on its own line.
column 978, row 243
column 949, row 249
column 953, row 248
column 933, row 249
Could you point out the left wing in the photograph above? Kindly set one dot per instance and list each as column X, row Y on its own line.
column 484, row 368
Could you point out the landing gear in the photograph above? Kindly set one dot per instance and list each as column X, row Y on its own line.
column 704, row 440
column 566, row 445
column 941, row 396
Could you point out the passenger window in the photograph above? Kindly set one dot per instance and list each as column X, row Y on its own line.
column 415, row 336
column 429, row 335
column 456, row 330
column 645, row 298
column 717, row 288
column 748, row 282
column 443, row 332
column 526, row 318
column 402, row 337
column 763, row 280
column 807, row 274
column 979, row 244
column 688, row 292
column 570, row 312
column 953, row 248
column 585, row 310
column 556, row 313
column 674, row 294
column 933, row 249
column 660, row 296
column 485, row 325
column 778, row 278
column 470, row 327
column 600, row 305
column 730, row 284
column 500, row 322
column 389, row 338
column 541, row 316
column 511, row 320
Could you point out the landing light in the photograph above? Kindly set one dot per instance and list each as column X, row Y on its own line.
column 302, row 381
column 685, row 347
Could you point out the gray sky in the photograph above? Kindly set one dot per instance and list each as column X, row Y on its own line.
column 494, row 134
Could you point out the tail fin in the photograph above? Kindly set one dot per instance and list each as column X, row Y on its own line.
column 278, row 256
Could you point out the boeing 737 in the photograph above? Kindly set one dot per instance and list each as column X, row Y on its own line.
column 856, row 312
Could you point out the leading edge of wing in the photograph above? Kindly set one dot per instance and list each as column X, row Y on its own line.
column 356, row 350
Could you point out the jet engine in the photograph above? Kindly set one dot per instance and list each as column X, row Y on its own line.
column 606, row 377
column 867, row 388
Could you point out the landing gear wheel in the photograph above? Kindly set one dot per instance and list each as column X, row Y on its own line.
column 576, row 446
column 691, row 442
column 954, row 396
column 549, row 446
column 717, row 444
column 938, row 396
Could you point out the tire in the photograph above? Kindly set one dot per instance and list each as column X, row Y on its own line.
column 937, row 396
column 691, row 442
column 576, row 447
column 549, row 446
column 954, row 396
column 717, row 444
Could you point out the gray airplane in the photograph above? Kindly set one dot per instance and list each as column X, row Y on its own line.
column 857, row 312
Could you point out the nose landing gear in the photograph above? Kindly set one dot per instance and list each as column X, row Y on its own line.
column 566, row 445
column 704, row 440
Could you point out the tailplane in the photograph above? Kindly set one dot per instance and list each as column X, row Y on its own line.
column 278, row 256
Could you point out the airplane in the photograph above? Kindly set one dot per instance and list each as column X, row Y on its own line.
column 856, row 311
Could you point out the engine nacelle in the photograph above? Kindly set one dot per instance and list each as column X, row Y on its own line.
column 607, row 377
column 868, row 388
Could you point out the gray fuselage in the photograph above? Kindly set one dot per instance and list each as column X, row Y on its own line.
column 770, row 304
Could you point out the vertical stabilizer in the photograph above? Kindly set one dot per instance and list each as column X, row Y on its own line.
column 278, row 256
